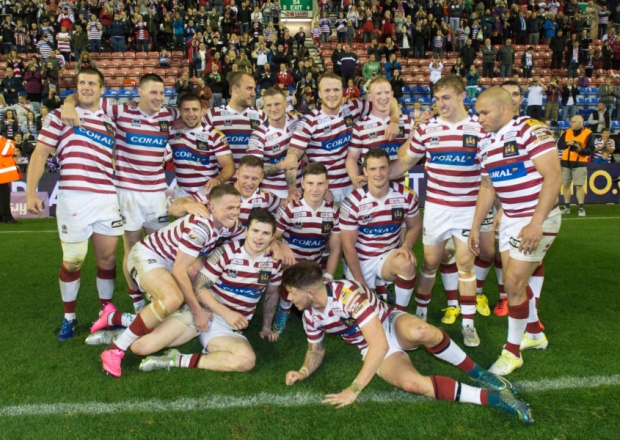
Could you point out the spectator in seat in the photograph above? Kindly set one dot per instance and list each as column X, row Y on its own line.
column 569, row 99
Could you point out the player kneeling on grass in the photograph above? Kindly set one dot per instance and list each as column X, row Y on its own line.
column 230, row 285
column 383, row 334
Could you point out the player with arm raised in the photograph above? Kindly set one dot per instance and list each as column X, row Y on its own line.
column 520, row 164
column 270, row 142
column 230, row 284
column 160, row 265
column 369, row 131
column 324, row 135
column 87, row 202
column 371, row 222
column 142, row 137
column 450, row 144
column 201, row 155
column 309, row 229
column 383, row 335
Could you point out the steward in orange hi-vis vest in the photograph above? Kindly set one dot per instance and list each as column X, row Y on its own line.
column 9, row 171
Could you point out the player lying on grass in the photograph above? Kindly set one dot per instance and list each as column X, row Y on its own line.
column 383, row 334
column 229, row 285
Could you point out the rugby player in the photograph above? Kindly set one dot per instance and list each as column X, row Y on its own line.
column 201, row 155
column 383, row 334
column 238, row 118
column 229, row 285
column 160, row 265
column 87, row 202
column 249, row 177
column 141, row 142
column 324, row 135
column 270, row 142
column 309, row 229
column 450, row 142
column 520, row 166
column 369, row 131
column 371, row 221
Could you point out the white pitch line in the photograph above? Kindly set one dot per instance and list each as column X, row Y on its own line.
column 285, row 400
column 26, row 232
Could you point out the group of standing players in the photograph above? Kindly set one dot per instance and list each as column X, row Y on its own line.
column 328, row 184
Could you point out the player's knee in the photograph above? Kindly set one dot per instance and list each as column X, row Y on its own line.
column 73, row 255
column 415, row 384
column 140, row 348
column 514, row 284
column 405, row 268
column 245, row 362
column 428, row 270
column 427, row 334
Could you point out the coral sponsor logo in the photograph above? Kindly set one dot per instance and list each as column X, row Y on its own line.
column 306, row 243
column 379, row 230
column 100, row 138
column 185, row 154
column 147, row 141
column 238, row 139
column 243, row 291
column 339, row 142
column 460, row 159
column 507, row 172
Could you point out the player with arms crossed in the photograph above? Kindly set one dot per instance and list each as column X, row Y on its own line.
column 520, row 165
column 383, row 334
column 324, row 135
column 141, row 142
column 201, row 155
column 369, row 131
column 229, row 285
column 309, row 228
column 371, row 221
column 450, row 142
column 270, row 142
column 87, row 202
column 160, row 265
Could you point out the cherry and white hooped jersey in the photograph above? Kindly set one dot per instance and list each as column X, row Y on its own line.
column 598, row 143
column 141, row 143
column 350, row 306
column 240, row 280
column 236, row 126
column 369, row 132
column 84, row 153
column 196, row 236
column 260, row 199
column 271, row 144
column 378, row 222
column 325, row 139
column 453, row 163
column 307, row 231
column 194, row 153
column 507, row 158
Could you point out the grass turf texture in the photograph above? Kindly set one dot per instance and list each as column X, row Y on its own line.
column 577, row 308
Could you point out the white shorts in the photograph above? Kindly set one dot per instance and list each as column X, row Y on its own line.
column 143, row 209
column 341, row 193
column 509, row 231
column 180, row 193
column 439, row 224
column 185, row 316
column 487, row 224
column 371, row 269
column 280, row 193
column 142, row 260
column 390, row 334
column 218, row 327
column 79, row 214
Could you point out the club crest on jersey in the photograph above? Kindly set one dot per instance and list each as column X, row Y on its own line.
column 164, row 126
column 398, row 213
column 372, row 136
column 298, row 225
column 135, row 123
column 470, row 141
column 254, row 123
column 511, row 149
column 201, row 145
column 401, row 131
column 109, row 128
column 348, row 121
column 326, row 227
column 264, row 276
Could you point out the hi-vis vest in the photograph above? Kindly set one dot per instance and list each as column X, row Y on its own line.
column 568, row 154
column 9, row 171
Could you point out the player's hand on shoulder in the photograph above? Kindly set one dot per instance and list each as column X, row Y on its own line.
column 269, row 334
column 212, row 183
column 391, row 131
column 293, row 199
column 360, row 181
column 275, row 250
column 329, row 196
column 426, row 116
column 197, row 209
column 288, row 258
column 69, row 116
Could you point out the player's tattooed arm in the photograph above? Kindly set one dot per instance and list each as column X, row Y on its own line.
column 200, row 283
column 272, row 295
column 314, row 357
column 486, row 181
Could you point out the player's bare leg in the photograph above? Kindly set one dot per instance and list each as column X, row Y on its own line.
column 105, row 252
column 166, row 299
column 73, row 255
column 534, row 336
column 467, row 292
column 401, row 269
column 130, row 238
column 432, row 259
column 482, row 266
column 516, row 276
column 171, row 333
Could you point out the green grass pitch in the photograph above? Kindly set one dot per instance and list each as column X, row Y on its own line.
column 56, row 390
